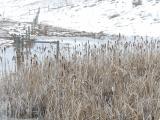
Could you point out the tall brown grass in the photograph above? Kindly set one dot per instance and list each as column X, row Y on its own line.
column 107, row 83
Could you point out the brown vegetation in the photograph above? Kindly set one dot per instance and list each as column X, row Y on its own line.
column 107, row 83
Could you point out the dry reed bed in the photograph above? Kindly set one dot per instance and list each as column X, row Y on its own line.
column 112, row 82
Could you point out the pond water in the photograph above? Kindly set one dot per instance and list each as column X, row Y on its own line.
column 11, row 57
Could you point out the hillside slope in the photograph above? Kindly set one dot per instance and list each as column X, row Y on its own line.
column 109, row 16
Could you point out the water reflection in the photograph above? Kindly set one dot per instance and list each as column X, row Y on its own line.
column 21, row 54
column 22, row 50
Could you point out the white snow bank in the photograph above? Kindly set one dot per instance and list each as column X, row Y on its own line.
column 113, row 17
column 110, row 18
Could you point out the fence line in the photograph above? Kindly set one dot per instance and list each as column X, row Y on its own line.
column 47, row 8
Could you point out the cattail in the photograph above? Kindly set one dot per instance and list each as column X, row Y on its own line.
column 64, row 67
column 45, row 48
column 119, row 61
column 4, row 49
column 36, row 62
column 49, row 65
column 35, row 56
column 31, row 60
column 62, row 73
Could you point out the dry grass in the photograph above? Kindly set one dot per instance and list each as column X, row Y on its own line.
column 108, row 83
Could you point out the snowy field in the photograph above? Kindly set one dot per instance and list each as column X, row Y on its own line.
column 109, row 16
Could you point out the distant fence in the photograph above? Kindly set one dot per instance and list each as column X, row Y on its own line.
column 44, row 9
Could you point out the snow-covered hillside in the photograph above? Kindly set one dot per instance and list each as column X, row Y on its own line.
column 110, row 16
